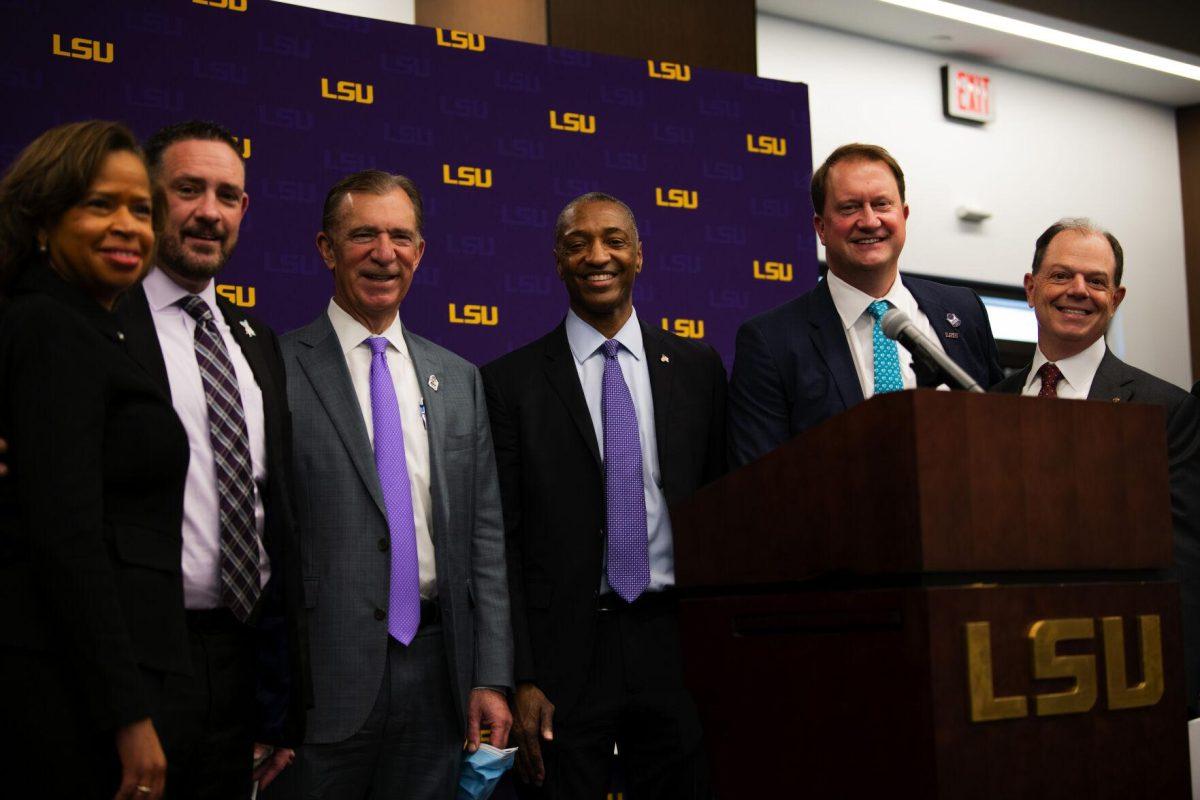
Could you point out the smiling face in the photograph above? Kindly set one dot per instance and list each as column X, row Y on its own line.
column 373, row 252
column 1074, row 293
column 204, row 183
column 598, row 257
column 103, row 243
column 862, row 225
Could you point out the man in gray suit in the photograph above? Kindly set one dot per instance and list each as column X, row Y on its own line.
column 402, row 542
column 1074, row 289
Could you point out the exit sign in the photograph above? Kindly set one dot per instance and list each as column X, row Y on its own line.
column 967, row 95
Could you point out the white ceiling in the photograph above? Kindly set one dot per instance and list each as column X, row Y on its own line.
column 959, row 40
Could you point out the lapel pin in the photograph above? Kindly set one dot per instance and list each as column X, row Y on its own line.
column 246, row 327
column 951, row 334
column 663, row 358
column 953, row 319
column 433, row 382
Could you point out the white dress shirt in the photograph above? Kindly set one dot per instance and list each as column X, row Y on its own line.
column 585, row 342
column 852, row 304
column 1078, row 372
column 201, row 501
column 352, row 336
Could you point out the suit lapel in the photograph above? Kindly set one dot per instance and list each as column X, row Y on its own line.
column 564, row 379
column 939, row 319
column 141, row 337
column 250, row 343
column 658, row 347
column 829, row 339
column 325, row 367
column 1111, row 382
column 427, row 363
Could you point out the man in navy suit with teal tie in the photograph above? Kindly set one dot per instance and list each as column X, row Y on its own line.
column 816, row 356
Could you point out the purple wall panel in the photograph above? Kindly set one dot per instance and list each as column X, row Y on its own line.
column 260, row 71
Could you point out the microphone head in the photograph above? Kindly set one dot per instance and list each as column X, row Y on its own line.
column 893, row 322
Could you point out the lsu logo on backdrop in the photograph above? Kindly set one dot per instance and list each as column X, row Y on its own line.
column 767, row 145
column 349, row 92
column 687, row 328
column 241, row 296
column 572, row 122
column 477, row 177
column 677, row 198
column 669, row 71
column 461, row 40
column 244, row 144
column 83, row 49
column 772, row 271
column 475, row 315
column 231, row 5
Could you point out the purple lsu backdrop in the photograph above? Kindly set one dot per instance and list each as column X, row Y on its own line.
column 498, row 135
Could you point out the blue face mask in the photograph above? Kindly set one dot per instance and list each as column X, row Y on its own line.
column 481, row 771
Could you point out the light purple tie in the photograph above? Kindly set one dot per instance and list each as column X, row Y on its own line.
column 404, row 598
column 624, row 492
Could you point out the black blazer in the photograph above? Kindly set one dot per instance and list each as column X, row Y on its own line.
column 90, row 518
column 285, row 688
column 552, row 486
column 1116, row 381
column 793, row 369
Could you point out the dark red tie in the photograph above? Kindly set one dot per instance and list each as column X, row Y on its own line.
column 1050, row 375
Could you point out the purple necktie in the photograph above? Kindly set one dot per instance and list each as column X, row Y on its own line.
column 231, row 454
column 624, row 492
column 404, row 598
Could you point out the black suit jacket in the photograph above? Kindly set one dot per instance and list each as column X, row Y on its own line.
column 90, row 517
column 552, row 486
column 793, row 368
column 285, row 689
column 1116, row 381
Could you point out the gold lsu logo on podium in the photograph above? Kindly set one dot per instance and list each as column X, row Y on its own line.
column 1044, row 636
column 348, row 92
column 229, row 5
column 772, row 271
column 677, row 198
column 686, row 328
column 461, row 40
column 669, row 71
column 84, row 49
column 572, row 122
column 475, row 315
column 766, row 145
column 475, row 177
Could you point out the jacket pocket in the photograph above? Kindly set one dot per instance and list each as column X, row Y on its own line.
column 147, row 547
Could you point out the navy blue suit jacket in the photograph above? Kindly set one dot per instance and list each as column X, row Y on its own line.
column 792, row 368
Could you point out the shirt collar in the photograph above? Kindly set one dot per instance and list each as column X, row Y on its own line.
column 162, row 292
column 1079, row 369
column 585, row 340
column 351, row 333
column 851, row 303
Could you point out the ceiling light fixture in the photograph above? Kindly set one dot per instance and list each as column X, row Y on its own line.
column 1041, row 33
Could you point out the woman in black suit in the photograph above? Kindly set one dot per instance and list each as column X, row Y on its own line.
column 91, row 598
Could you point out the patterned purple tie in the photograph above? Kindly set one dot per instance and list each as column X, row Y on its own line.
column 404, row 598
column 231, row 452
column 624, row 492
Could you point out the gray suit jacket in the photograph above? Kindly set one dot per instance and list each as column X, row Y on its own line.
column 343, row 528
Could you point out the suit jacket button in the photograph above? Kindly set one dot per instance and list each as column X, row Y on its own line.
column 380, row 614
column 383, row 545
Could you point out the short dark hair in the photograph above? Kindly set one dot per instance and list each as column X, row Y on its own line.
column 855, row 151
column 560, row 225
column 370, row 181
column 49, row 177
column 193, row 129
column 1084, row 226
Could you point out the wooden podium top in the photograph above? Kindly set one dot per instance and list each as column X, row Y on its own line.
column 927, row 481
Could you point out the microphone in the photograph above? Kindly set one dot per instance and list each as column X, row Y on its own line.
column 899, row 326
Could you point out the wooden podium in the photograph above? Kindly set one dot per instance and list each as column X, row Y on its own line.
column 941, row 595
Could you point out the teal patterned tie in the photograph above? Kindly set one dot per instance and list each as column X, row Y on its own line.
column 887, row 360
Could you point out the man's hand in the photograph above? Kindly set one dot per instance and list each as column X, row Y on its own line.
column 143, row 764
column 487, row 706
column 534, row 722
column 269, row 762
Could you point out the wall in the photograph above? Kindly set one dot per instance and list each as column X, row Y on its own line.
column 1054, row 150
